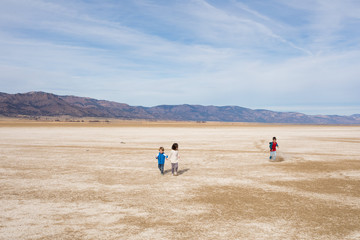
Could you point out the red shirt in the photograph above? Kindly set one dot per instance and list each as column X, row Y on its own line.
column 274, row 147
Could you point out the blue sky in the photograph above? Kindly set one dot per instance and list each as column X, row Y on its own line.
column 283, row 55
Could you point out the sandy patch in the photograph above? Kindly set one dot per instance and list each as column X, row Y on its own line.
column 100, row 180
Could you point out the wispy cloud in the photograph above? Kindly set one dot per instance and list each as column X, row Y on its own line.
column 144, row 52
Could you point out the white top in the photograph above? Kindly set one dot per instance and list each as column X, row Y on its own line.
column 174, row 156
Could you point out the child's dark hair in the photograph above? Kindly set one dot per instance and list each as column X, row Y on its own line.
column 175, row 146
column 274, row 138
column 161, row 148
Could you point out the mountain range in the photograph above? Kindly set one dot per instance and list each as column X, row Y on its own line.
column 35, row 104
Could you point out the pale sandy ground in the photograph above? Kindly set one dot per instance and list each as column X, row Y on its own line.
column 100, row 181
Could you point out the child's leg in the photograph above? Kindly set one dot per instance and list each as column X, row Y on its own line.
column 172, row 168
column 176, row 167
column 162, row 168
column 273, row 156
column 159, row 166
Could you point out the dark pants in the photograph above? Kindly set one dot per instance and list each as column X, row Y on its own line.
column 161, row 168
column 174, row 167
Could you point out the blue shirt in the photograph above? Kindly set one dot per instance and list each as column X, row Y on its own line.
column 161, row 158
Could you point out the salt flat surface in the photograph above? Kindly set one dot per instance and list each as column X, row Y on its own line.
column 99, row 181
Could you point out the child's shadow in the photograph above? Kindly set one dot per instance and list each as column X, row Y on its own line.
column 182, row 171
column 278, row 159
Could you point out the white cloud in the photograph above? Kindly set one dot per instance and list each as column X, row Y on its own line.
column 220, row 53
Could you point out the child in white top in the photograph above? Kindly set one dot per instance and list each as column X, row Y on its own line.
column 174, row 158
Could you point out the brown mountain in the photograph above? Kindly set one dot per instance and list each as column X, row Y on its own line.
column 47, row 104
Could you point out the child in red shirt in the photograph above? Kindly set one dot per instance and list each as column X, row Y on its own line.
column 273, row 146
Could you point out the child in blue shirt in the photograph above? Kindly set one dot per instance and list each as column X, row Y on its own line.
column 161, row 159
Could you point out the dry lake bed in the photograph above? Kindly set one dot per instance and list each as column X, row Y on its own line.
column 100, row 180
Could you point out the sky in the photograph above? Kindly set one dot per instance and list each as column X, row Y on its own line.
column 282, row 55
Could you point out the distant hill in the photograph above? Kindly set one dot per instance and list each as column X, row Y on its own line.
column 357, row 116
column 46, row 104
